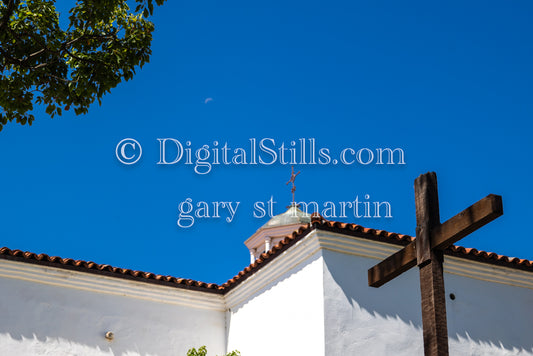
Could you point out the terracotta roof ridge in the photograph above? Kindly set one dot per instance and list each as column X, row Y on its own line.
column 89, row 266
column 317, row 222
column 452, row 250
column 268, row 256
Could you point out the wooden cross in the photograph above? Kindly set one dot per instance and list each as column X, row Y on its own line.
column 293, row 177
column 426, row 251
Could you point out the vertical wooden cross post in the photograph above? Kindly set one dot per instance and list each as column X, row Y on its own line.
column 426, row 251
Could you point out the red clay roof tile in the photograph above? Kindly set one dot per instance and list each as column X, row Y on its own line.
column 317, row 223
column 84, row 266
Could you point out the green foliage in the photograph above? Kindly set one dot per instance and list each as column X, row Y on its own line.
column 68, row 69
column 202, row 351
column 234, row 353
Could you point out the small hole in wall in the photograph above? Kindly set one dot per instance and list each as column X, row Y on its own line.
column 452, row 296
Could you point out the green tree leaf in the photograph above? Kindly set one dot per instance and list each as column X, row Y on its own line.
column 202, row 351
column 62, row 68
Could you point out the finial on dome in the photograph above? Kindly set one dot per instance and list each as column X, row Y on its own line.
column 293, row 177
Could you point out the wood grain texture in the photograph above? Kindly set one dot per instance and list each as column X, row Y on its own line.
column 426, row 251
column 427, row 214
column 442, row 237
column 433, row 300
column 467, row 221
column 392, row 266
column 430, row 265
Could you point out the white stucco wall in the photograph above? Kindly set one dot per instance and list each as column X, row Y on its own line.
column 279, row 310
column 486, row 318
column 311, row 300
column 366, row 321
column 48, row 311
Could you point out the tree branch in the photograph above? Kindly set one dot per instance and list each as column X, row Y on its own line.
column 35, row 54
column 62, row 79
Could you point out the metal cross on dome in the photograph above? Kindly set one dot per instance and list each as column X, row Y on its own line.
column 293, row 177
column 426, row 251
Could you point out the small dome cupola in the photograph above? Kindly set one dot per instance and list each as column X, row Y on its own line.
column 275, row 230
column 293, row 215
column 279, row 226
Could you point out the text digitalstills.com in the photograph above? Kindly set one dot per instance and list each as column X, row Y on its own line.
column 265, row 151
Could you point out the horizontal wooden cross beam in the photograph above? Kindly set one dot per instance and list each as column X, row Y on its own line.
column 442, row 236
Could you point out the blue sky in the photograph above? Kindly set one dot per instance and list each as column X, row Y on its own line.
column 449, row 83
